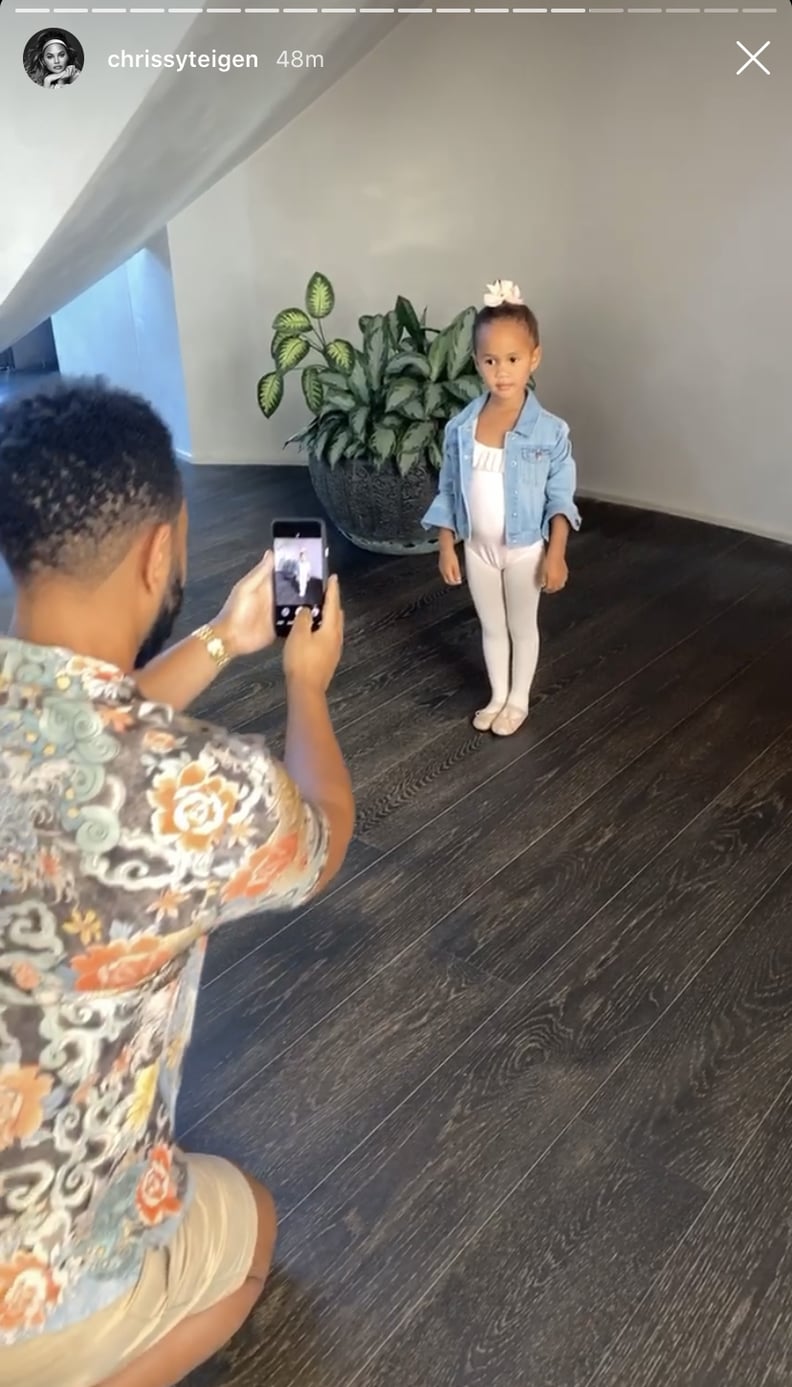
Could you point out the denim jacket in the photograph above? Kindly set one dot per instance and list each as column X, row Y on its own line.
column 540, row 475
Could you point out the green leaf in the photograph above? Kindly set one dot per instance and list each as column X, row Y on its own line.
column 339, row 446
column 342, row 400
column 436, row 454
column 358, row 380
column 402, row 390
column 414, row 443
column 462, row 391
column 359, row 425
column 437, row 354
column 435, row 399
column 304, row 438
column 291, row 321
column 417, row 437
column 393, row 327
column 406, row 362
column 413, row 408
column 278, row 337
column 333, row 380
column 408, row 320
column 364, row 321
column 460, row 344
column 383, row 442
column 341, row 354
column 329, row 426
column 290, row 352
column 319, row 296
column 312, row 389
column 375, row 347
column 270, row 393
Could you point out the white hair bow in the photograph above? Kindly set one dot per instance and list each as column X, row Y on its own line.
column 502, row 291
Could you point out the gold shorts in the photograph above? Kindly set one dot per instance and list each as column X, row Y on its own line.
column 209, row 1259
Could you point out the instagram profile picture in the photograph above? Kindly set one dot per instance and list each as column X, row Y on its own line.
column 53, row 58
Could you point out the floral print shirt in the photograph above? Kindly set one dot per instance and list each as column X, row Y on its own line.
column 127, row 832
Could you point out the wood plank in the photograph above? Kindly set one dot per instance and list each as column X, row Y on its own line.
column 459, row 760
column 370, row 1241
column 377, row 745
column 514, row 923
column 702, row 1080
column 233, row 943
column 720, row 1312
column 336, row 945
column 539, row 1293
column 351, row 1072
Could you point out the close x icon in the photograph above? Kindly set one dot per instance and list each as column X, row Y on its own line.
column 753, row 58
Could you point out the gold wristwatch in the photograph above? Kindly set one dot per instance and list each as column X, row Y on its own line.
column 214, row 645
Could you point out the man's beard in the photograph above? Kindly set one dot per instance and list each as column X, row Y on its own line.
column 160, row 632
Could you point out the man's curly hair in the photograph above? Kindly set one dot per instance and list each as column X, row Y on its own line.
column 83, row 467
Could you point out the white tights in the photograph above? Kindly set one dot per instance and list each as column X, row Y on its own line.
column 506, row 598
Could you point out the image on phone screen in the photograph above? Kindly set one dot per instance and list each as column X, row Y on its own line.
column 299, row 550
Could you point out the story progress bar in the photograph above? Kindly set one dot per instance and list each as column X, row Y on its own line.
column 400, row 9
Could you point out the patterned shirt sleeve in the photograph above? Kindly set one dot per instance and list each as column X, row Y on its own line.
column 222, row 809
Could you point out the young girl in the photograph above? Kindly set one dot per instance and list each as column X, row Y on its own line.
column 303, row 572
column 507, row 488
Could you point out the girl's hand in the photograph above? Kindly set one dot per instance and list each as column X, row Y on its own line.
column 450, row 570
column 554, row 574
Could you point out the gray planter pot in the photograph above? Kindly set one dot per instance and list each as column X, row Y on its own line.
column 377, row 511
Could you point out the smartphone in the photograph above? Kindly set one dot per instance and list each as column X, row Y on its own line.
column 300, row 553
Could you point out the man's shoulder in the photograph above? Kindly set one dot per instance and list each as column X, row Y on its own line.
column 139, row 827
column 83, row 733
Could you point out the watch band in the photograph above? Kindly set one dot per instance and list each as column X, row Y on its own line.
column 214, row 645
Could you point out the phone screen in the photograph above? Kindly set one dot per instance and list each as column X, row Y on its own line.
column 300, row 552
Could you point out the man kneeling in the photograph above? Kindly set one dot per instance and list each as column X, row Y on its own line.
column 128, row 833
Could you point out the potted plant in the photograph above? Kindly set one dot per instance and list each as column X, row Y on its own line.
column 374, row 443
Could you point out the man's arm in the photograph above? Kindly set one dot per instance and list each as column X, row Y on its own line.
column 241, row 830
column 245, row 626
column 183, row 673
column 314, row 762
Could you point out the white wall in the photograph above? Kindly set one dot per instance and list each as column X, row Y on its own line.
column 124, row 328
column 615, row 166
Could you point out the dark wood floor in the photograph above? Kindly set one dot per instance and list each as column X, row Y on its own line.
column 521, row 1081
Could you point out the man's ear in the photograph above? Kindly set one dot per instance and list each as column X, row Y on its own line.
column 157, row 557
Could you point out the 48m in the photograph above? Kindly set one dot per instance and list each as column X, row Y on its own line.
column 296, row 58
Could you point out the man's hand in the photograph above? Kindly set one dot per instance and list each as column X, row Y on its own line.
column 554, row 574
column 247, row 622
column 311, row 658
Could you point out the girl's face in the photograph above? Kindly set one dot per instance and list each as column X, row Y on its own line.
column 506, row 358
column 55, row 56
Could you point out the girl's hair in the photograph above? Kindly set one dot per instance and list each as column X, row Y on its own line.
column 34, row 54
column 517, row 312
